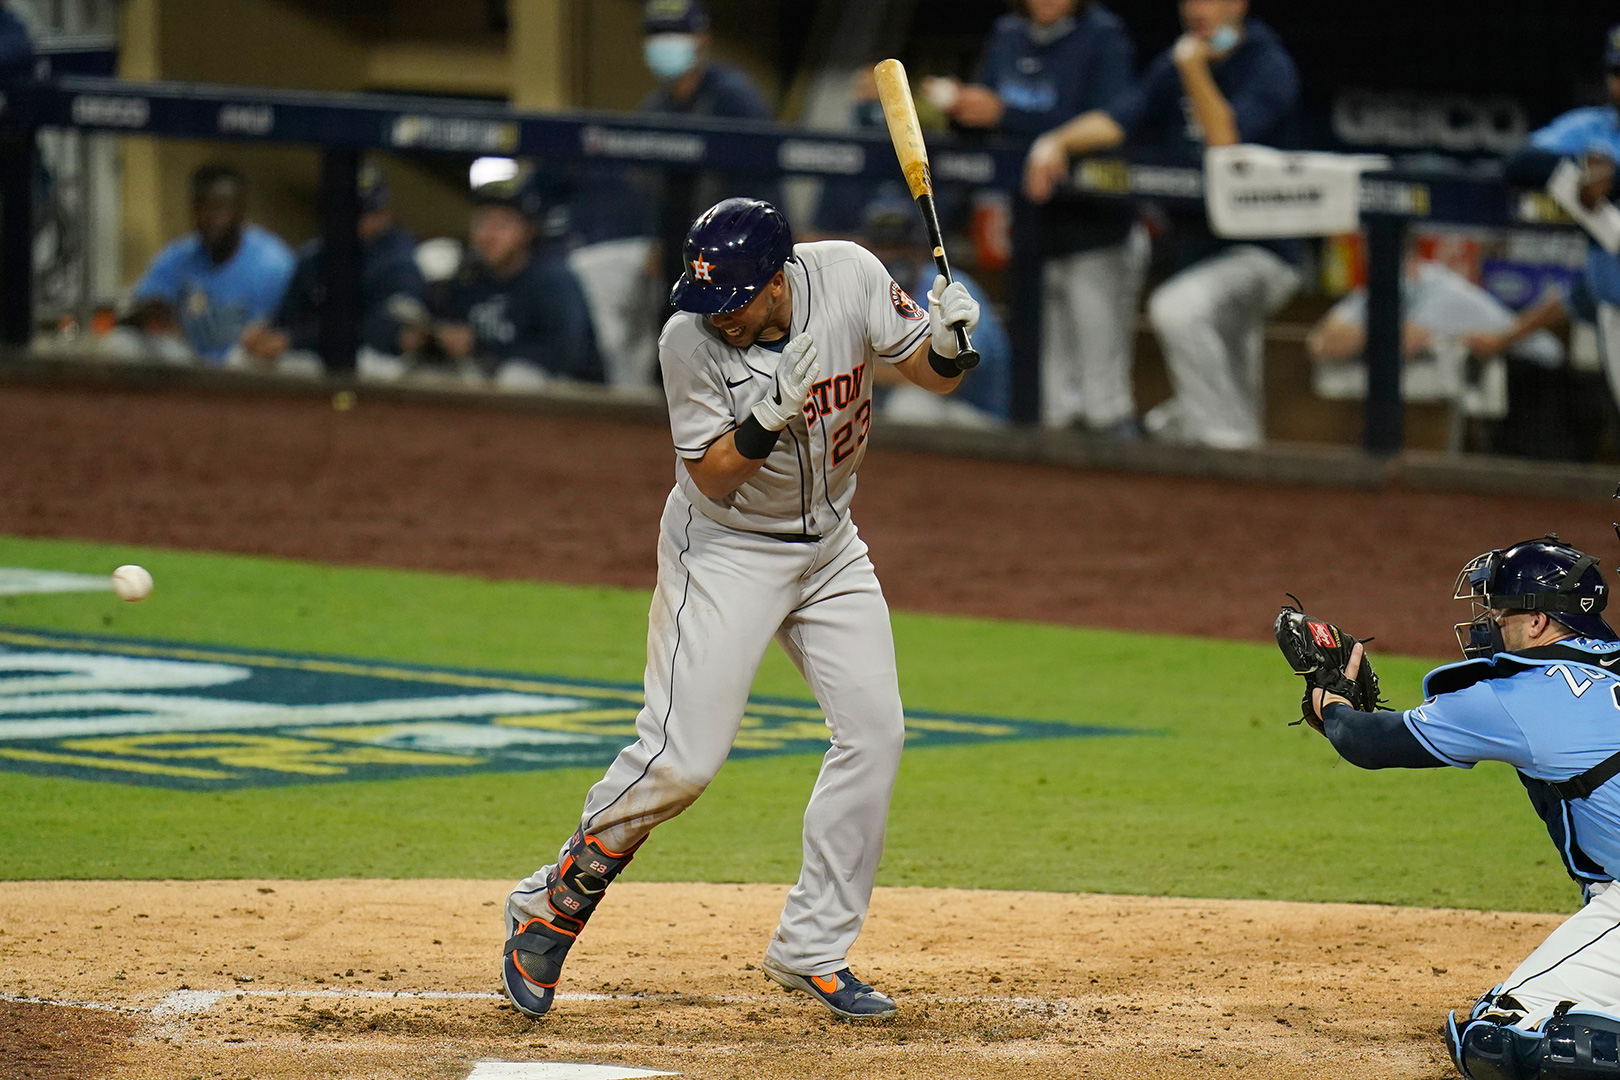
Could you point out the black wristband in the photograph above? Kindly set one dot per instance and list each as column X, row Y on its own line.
column 754, row 440
column 946, row 366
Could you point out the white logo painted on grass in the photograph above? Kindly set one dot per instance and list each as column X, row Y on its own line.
column 555, row 1070
column 109, row 695
column 21, row 581
column 197, row 716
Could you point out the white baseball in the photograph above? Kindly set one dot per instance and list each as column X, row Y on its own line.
column 132, row 583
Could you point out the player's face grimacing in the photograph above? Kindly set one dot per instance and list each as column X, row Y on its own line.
column 764, row 318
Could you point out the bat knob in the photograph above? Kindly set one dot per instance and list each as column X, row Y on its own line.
column 967, row 359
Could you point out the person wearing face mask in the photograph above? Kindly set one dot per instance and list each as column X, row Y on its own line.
column 1049, row 62
column 676, row 48
column 1227, row 80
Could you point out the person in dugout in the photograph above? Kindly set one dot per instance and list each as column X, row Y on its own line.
column 391, row 289
column 1227, row 80
column 515, row 313
column 1048, row 63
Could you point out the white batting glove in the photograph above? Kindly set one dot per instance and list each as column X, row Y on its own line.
column 795, row 372
column 949, row 305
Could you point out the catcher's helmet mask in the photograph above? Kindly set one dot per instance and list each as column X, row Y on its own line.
column 1544, row 575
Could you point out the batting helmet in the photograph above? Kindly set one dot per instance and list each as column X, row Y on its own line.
column 732, row 251
column 1544, row 575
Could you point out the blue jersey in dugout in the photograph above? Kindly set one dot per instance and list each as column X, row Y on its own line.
column 216, row 303
column 1552, row 713
column 1046, row 76
column 1259, row 81
column 1575, row 134
column 539, row 314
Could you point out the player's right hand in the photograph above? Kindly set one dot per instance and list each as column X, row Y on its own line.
column 1044, row 168
column 950, row 306
column 795, row 373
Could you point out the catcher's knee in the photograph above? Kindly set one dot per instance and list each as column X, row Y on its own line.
column 1572, row 1045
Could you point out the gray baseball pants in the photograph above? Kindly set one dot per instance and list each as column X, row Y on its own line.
column 722, row 595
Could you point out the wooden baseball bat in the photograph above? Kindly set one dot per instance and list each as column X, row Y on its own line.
column 894, row 90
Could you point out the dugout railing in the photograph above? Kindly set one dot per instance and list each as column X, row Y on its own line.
column 343, row 126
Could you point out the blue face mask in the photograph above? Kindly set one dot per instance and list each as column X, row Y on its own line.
column 1223, row 40
column 670, row 56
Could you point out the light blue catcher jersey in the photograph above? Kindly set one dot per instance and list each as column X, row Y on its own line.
column 1552, row 713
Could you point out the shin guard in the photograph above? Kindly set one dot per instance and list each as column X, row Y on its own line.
column 538, row 946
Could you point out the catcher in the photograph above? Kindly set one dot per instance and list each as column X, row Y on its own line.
column 1540, row 690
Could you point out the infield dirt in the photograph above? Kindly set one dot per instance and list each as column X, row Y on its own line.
column 281, row 979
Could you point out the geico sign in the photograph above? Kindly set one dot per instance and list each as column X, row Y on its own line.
column 1363, row 118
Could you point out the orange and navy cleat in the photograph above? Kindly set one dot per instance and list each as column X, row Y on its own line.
column 840, row 992
column 532, row 964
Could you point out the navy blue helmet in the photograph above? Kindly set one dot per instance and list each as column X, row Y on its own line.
column 1544, row 575
column 732, row 251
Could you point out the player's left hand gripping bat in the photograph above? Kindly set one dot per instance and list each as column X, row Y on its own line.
column 894, row 90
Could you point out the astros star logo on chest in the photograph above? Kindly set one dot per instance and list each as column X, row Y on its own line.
column 701, row 268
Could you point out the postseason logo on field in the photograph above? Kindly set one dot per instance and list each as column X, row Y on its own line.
column 202, row 717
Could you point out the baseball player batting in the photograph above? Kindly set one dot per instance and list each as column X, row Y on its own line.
column 767, row 367
column 1540, row 690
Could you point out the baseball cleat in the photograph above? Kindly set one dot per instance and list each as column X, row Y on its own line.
column 531, row 964
column 842, row 993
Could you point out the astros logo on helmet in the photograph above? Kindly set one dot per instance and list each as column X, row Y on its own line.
column 701, row 268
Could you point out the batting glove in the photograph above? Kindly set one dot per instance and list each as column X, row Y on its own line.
column 948, row 306
column 795, row 372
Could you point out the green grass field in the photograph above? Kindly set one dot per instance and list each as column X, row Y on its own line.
column 1220, row 799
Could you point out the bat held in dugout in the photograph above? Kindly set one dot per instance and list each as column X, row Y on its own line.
column 894, row 91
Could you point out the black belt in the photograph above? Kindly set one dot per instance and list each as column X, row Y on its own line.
column 787, row 538
column 1579, row 787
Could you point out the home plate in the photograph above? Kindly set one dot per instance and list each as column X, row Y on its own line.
column 19, row 581
column 555, row 1070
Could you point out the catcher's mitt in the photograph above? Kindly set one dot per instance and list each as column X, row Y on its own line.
column 1320, row 651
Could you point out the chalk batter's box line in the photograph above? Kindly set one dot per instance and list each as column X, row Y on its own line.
column 465, row 679
column 181, row 1004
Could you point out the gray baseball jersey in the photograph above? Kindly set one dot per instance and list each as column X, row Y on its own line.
column 779, row 558
column 857, row 316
